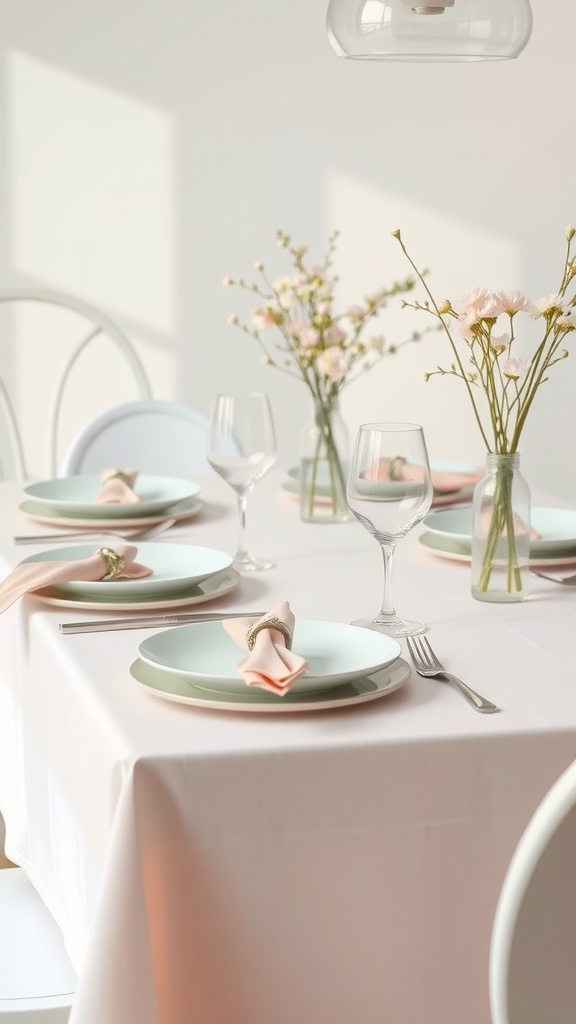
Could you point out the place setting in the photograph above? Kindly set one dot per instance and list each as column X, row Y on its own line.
column 116, row 499
column 269, row 664
column 122, row 578
column 448, row 534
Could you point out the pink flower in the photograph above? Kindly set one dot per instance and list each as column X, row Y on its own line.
column 309, row 337
column 295, row 326
column 332, row 363
column 513, row 302
column 262, row 318
column 499, row 343
column 334, row 336
column 477, row 304
column 356, row 313
column 514, row 368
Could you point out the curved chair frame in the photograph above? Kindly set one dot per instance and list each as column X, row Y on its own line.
column 74, row 457
column 102, row 325
column 546, row 820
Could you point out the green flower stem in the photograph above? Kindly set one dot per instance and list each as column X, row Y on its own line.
column 502, row 525
column 326, row 450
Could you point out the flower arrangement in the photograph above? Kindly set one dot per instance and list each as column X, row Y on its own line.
column 312, row 343
column 482, row 331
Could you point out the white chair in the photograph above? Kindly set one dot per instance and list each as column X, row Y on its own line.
column 37, row 981
column 533, row 947
column 153, row 436
column 94, row 324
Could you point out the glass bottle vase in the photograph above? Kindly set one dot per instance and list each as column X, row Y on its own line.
column 501, row 531
column 324, row 453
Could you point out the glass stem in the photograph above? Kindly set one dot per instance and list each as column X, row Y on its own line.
column 242, row 543
column 387, row 611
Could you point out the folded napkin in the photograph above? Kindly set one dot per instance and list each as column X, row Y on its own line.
column 111, row 562
column 443, row 481
column 270, row 665
column 117, row 487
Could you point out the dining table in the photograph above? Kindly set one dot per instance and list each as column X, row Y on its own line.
column 327, row 865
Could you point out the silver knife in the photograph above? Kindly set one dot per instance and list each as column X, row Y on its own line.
column 148, row 622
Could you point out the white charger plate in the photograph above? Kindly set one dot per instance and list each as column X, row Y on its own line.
column 40, row 513
column 174, row 567
column 336, row 653
column 461, row 551
column 75, row 495
column 556, row 528
column 173, row 687
column 208, row 590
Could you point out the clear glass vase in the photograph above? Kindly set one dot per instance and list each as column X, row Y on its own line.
column 324, row 454
column 501, row 531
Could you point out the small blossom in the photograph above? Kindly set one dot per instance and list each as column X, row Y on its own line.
column 499, row 343
column 514, row 368
column 570, row 232
column 513, row 302
column 309, row 337
column 376, row 344
column 227, row 282
column 356, row 313
column 262, row 318
column 332, row 363
column 233, row 319
column 258, row 265
column 335, row 336
column 547, row 305
column 445, row 307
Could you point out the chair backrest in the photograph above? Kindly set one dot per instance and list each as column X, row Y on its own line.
column 37, row 981
column 93, row 324
column 533, row 947
column 152, row 436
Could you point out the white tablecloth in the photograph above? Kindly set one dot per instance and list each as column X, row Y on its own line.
column 321, row 868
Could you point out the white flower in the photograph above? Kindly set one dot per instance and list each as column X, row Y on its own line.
column 258, row 265
column 514, row 368
column 232, row 319
column 477, row 304
column 356, row 313
column 226, row 282
column 332, row 363
column 262, row 318
column 546, row 305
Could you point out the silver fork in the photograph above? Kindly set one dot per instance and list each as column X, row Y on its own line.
column 426, row 664
column 568, row 581
column 49, row 538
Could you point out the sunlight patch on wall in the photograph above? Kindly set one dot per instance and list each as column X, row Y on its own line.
column 92, row 182
column 459, row 255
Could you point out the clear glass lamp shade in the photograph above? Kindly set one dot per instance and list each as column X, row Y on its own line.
column 429, row 30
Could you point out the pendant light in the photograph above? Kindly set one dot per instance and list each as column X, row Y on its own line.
column 429, row 30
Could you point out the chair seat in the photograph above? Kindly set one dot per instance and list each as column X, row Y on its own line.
column 37, row 981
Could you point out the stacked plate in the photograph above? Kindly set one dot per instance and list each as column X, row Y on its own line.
column 443, row 471
column 448, row 533
column 197, row 665
column 69, row 501
column 182, row 574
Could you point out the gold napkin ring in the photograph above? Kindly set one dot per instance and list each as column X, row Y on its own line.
column 114, row 561
column 270, row 622
column 395, row 469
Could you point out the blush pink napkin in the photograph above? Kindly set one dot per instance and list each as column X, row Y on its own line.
column 30, row 576
column 117, row 487
column 270, row 665
column 443, row 481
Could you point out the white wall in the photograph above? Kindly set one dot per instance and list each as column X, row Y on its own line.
column 150, row 148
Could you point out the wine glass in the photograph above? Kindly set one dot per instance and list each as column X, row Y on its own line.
column 242, row 448
column 389, row 492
